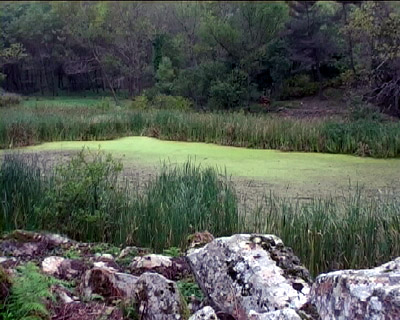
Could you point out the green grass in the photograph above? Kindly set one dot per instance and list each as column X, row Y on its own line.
column 87, row 119
column 87, row 203
column 288, row 173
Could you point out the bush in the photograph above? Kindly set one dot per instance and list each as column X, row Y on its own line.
column 9, row 99
column 230, row 93
column 172, row 103
column 360, row 110
column 83, row 192
column 140, row 102
column 299, row 86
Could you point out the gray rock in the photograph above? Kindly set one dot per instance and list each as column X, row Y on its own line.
column 285, row 314
column 247, row 272
column 159, row 298
column 207, row 313
column 359, row 294
column 173, row 268
column 63, row 268
column 108, row 283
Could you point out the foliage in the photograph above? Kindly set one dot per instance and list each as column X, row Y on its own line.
column 54, row 121
column 189, row 288
column 229, row 93
column 80, row 193
column 351, row 231
column 165, row 76
column 299, row 86
column 29, row 293
column 186, row 199
column 173, row 252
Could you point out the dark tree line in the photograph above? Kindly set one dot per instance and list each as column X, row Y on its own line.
column 220, row 54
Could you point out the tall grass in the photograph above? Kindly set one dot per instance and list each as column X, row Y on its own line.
column 84, row 200
column 353, row 231
column 23, row 126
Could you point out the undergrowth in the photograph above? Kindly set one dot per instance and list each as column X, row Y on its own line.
column 29, row 293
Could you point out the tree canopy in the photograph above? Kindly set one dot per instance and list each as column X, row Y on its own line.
column 215, row 53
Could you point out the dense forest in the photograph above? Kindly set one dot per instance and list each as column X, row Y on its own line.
column 214, row 54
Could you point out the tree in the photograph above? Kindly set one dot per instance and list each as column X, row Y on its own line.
column 309, row 43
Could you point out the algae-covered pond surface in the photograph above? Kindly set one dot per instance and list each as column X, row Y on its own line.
column 296, row 173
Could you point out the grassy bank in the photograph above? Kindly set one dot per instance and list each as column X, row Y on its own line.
column 43, row 122
column 326, row 233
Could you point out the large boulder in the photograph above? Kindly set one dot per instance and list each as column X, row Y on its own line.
column 359, row 294
column 108, row 284
column 250, row 273
column 159, row 299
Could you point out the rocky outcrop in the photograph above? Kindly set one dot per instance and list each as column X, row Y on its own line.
column 159, row 299
column 207, row 313
column 250, row 273
column 359, row 294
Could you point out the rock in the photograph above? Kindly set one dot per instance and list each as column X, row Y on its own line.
column 51, row 265
column 62, row 294
column 132, row 252
column 244, row 273
column 151, row 261
column 159, row 298
column 284, row 314
column 104, row 257
column 108, row 283
column 106, row 261
column 86, row 311
column 171, row 268
column 207, row 313
column 28, row 245
column 199, row 239
column 63, row 268
column 359, row 294
column 8, row 262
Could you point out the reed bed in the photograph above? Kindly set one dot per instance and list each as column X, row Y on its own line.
column 23, row 126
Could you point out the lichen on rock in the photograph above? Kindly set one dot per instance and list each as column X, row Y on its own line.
column 247, row 272
column 359, row 294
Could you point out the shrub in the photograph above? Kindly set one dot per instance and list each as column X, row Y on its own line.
column 172, row 103
column 229, row 93
column 83, row 192
column 9, row 99
column 140, row 102
column 299, row 86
